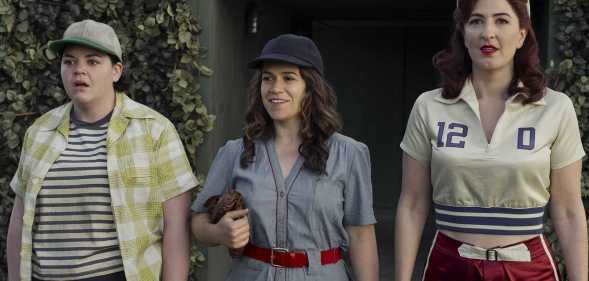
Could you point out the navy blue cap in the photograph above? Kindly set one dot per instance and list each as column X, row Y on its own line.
column 290, row 48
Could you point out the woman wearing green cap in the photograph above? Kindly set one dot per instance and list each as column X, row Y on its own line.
column 101, row 187
column 307, row 188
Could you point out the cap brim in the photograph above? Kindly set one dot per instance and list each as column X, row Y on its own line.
column 256, row 63
column 57, row 46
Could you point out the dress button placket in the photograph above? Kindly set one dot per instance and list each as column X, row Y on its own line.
column 281, row 225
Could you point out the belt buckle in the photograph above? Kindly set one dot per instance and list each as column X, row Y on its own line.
column 491, row 255
column 276, row 250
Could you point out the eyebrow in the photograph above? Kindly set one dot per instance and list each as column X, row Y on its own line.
column 494, row 15
column 86, row 56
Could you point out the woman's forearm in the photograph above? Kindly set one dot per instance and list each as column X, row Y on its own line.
column 176, row 241
column 13, row 240
column 408, row 231
column 412, row 211
column 572, row 236
column 176, row 256
column 568, row 216
column 363, row 252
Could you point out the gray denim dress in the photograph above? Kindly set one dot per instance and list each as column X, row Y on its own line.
column 304, row 211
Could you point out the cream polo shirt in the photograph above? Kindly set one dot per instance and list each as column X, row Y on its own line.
column 497, row 187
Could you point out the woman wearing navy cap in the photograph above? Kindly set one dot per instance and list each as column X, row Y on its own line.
column 307, row 188
column 493, row 149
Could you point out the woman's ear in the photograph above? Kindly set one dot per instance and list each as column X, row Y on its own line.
column 117, row 71
column 523, row 33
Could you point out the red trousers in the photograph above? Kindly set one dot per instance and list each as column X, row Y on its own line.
column 445, row 264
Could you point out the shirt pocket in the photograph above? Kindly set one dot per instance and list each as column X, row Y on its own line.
column 328, row 198
column 139, row 181
column 136, row 176
column 136, row 161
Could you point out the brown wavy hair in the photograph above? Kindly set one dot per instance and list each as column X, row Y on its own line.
column 319, row 116
column 455, row 65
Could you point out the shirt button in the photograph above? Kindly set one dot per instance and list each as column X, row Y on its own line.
column 281, row 194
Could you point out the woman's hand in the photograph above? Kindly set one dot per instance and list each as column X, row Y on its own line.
column 233, row 230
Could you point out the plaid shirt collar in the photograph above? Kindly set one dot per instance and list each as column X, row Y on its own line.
column 125, row 108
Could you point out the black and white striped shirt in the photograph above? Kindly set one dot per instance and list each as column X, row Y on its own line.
column 74, row 234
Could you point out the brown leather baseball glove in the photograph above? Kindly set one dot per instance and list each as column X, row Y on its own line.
column 218, row 205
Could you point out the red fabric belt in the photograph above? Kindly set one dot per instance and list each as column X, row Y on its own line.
column 280, row 257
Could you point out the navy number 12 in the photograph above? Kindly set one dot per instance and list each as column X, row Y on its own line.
column 455, row 136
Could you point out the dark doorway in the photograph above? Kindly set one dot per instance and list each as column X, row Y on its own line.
column 378, row 69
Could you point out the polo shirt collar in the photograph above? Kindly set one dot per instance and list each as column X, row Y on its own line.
column 468, row 95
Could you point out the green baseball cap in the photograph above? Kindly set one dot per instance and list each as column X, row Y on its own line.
column 92, row 34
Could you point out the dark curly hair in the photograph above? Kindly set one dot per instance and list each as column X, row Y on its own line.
column 455, row 65
column 319, row 116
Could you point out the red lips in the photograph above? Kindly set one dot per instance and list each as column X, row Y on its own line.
column 488, row 50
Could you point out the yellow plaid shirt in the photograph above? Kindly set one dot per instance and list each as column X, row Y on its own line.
column 146, row 164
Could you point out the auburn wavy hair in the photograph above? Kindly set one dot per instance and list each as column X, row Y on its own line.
column 319, row 116
column 455, row 65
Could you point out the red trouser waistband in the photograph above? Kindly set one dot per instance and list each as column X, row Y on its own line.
column 445, row 263
column 280, row 257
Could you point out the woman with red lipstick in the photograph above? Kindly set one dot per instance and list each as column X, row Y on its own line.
column 492, row 149
column 307, row 188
